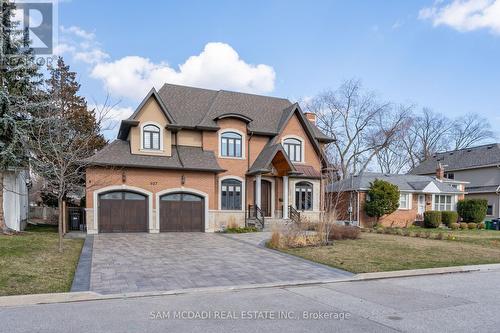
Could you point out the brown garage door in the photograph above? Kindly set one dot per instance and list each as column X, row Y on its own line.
column 181, row 212
column 122, row 211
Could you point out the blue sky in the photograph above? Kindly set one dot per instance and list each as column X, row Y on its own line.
column 443, row 55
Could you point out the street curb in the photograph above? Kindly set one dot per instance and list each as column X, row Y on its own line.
column 23, row 300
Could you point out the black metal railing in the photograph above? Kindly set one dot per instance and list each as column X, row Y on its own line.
column 255, row 213
column 293, row 214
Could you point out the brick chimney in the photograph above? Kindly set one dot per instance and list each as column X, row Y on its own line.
column 311, row 116
column 440, row 172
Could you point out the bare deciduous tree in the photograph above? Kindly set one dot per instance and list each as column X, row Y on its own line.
column 362, row 125
column 470, row 130
column 58, row 152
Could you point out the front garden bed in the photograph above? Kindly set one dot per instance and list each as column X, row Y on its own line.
column 388, row 249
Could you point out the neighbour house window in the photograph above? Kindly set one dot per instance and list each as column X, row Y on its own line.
column 231, row 194
column 442, row 202
column 404, row 201
column 449, row 175
column 293, row 148
column 304, row 196
column 489, row 211
column 230, row 145
column 151, row 137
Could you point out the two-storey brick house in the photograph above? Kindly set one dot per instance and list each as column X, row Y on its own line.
column 191, row 159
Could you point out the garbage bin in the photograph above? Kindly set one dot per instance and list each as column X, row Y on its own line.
column 74, row 218
column 487, row 224
column 495, row 224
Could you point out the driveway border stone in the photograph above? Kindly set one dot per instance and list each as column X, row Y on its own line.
column 81, row 281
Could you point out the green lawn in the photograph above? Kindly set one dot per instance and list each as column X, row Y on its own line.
column 380, row 252
column 30, row 263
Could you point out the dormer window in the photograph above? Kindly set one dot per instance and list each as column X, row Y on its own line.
column 151, row 137
column 293, row 148
column 231, row 144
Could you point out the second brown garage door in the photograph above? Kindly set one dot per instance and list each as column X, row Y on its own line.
column 182, row 212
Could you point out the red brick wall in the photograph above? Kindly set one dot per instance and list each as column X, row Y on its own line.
column 149, row 179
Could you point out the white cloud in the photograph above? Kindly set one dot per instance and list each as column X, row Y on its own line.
column 218, row 66
column 78, row 32
column 80, row 45
column 465, row 15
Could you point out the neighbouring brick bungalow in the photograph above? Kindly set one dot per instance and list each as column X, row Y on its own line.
column 417, row 195
column 191, row 159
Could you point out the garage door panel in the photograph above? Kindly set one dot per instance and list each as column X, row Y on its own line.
column 181, row 212
column 121, row 211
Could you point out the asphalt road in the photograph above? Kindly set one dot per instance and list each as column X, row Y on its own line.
column 463, row 302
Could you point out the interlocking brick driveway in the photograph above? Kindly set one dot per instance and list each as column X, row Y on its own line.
column 167, row 261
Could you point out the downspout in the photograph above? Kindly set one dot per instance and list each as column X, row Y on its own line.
column 498, row 195
column 357, row 204
column 246, row 178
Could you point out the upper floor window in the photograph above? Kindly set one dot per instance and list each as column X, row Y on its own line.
column 151, row 137
column 231, row 194
column 293, row 148
column 230, row 145
column 304, row 196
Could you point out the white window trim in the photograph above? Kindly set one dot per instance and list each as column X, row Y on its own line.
column 302, row 150
column 243, row 193
column 142, row 136
column 453, row 201
column 243, row 143
column 410, row 199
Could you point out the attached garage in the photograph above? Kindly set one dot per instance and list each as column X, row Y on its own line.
column 123, row 211
column 183, row 212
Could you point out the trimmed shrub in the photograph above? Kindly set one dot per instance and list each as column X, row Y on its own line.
column 432, row 219
column 481, row 225
column 455, row 226
column 472, row 225
column 472, row 210
column 240, row 230
column 463, row 225
column 448, row 217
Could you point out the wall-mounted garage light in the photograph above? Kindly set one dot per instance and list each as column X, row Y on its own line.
column 124, row 177
column 183, row 180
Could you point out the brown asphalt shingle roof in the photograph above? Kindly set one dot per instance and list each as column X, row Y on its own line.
column 193, row 107
column 118, row 153
column 466, row 158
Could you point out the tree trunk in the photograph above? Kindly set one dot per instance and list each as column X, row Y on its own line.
column 3, row 226
column 60, row 223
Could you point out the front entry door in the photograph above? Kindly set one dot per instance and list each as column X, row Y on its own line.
column 421, row 206
column 265, row 198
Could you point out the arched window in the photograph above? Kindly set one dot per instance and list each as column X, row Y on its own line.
column 230, row 194
column 151, row 137
column 293, row 148
column 230, row 144
column 304, row 196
